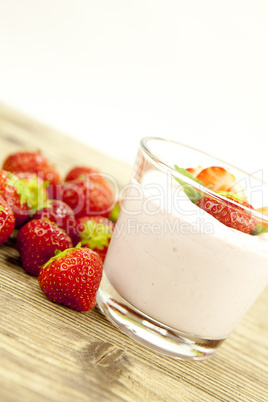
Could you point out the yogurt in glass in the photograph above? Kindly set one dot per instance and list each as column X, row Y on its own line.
column 177, row 279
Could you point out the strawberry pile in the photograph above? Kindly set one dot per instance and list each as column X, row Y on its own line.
column 228, row 204
column 63, row 227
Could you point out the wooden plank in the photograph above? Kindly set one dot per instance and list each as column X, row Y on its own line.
column 49, row 352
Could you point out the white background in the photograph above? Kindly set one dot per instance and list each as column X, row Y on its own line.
column 109, row 72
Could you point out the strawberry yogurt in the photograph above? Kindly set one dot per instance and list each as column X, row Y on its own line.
column 179, row 265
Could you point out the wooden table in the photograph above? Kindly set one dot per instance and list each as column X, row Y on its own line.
column 51, row 353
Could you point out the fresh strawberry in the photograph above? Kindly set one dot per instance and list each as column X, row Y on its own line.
column 7, row 221
column 24, row 161
column 37, row 242
column 23, row 194
column 87, row 198
column 33, row 162
column 216, row 178
column 84, row 172
column 229, row 213
column 60, row 213
column 72, row 278
column 227, row 207
column 95, row 233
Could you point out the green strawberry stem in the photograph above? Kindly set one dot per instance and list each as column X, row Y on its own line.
column 193, row 194
column 113, row 216
column 259, row 229
column 95, row 235
column 60, row 254
column 30, row 191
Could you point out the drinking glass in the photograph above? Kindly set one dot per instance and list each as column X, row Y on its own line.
column 176, row 279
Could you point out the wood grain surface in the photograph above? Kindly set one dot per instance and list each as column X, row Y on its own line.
column 51, row 353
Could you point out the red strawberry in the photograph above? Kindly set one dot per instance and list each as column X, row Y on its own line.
column 230, row 214
column 216, row 178
column 72, row 278
column 95, row 233
column 33, row 162
column 23, row 194
column 84, row 172
column 24, row 161
column 37, row 242
column 60, row 213
column 7, row 221
column 87, row 198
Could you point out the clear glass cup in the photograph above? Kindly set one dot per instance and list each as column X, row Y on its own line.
column 175, row 278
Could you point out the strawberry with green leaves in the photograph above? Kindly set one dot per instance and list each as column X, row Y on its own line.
column 72, row 278
column 226, row 207
column 37, row 242
column 24, row 193
column 95, row 233
column 7, row 221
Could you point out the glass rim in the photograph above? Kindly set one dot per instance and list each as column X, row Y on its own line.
column 145, row 148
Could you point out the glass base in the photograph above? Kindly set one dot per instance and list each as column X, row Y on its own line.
column 149, row 332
